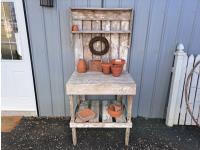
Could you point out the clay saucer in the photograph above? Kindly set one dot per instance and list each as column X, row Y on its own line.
column 113, row 112
column 86, row 114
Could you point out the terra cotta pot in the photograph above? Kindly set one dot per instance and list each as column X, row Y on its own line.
column 75, row 28
column 116, row 70
column 86, row 114
column 81, row 66
column 113, row 113
column 106, row 68
column 95, row 65
column 118, row 62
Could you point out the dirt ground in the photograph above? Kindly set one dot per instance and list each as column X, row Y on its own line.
column 54, row 133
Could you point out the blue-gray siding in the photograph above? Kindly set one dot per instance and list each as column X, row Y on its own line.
column 158, row 27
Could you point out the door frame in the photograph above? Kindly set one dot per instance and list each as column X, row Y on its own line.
column 24, row 36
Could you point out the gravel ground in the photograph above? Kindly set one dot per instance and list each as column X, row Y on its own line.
column 54, row 133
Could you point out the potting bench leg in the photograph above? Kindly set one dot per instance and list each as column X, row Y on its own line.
column 129, row 111
column 71, row 101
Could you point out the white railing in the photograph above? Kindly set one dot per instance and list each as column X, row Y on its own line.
column 177, row 113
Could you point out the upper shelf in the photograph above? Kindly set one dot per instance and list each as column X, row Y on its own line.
column 101, row 31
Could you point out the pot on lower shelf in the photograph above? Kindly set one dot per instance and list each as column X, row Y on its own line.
column 113, row 112
column 86, row 114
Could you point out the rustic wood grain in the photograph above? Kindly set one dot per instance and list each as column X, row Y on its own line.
column 96, row 83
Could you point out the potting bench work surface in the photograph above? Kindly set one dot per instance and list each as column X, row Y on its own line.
column 91, row 83
column 96, row 83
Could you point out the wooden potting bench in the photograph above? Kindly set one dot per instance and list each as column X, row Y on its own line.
column 116, row 25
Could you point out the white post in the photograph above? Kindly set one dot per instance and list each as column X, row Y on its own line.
column 177, row 69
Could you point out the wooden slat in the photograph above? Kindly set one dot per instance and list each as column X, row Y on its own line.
column 101, row 31
column 95, row 108
column 192, row 94
column 197, row 97
column 183, row 105
column 100, row 125
column 196, row 112
column 96, row 25
column 124, row 41
column 180, row 89
column 105, row 116
column 115, row 25
column 106, row 28
column 177, row 70
column 82, row 106
column 87, row 25
column 78, row 45
column 96, row 8
column 100, row 15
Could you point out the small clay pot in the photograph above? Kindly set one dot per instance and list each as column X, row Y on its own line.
column 95, row 65
column 112, row 112
column 118, row 62
column 106, row 68
column 81, row 66
column 75, row 28
column 116, row 70
column 118, row 107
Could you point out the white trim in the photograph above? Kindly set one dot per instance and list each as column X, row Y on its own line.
column 18, row 113
column 19, row 102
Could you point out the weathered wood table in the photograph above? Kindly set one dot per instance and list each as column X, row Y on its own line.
column 96, row 83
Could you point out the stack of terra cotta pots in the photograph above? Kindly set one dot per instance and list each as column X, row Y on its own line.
column 115, row 66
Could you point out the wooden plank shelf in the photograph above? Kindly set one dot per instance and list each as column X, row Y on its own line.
column 101, row 9
column 101, row 19
column 100, row 125
column 102, row 118
column 100, row 31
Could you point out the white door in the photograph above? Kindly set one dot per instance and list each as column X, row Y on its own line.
column 17, row 92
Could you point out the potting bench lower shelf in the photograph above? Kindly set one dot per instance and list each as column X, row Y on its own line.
column 96, row 83
column 102, row 119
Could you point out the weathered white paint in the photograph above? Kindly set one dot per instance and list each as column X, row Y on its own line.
column 183, row 105
column 177, row 70
column 177, row 112
column 180, row 89
column 91, row 83
column 18, row 93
